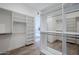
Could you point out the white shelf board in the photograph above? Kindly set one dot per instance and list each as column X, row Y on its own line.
column 5, row 33
column 19, row 18
column 49, row 51
column 53, row 51
column 19, row 21
column 71, row 33
column 18, row 33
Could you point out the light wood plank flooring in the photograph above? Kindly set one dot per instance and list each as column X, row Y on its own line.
column 72, row 48
column 34, row 49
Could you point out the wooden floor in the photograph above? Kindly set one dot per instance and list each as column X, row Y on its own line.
column 72, row 49
column 26, row 50
column 34, row 49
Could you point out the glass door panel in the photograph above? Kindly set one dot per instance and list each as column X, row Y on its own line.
column 71, row 12
column 54, row 29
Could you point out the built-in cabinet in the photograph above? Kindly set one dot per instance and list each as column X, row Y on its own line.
column 14, row 28
column 30, row 30
column 18, row 36
column 5, row 21
column 5, row 29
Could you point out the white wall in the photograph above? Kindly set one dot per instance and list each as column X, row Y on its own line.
column 21, row 8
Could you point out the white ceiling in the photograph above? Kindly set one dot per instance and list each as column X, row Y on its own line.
column 31, row 8
column 39, row 6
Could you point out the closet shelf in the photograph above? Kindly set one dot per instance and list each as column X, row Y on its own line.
column 18, row 33
column 19, row 18
column 19, row 21
column 5, row 33
column 70, row 33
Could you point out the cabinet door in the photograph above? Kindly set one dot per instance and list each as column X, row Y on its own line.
column 17, row 40
column 5, row 21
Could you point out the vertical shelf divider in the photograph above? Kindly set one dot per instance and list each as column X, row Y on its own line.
column 64, row 46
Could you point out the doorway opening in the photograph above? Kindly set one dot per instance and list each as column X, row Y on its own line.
column 37, row 30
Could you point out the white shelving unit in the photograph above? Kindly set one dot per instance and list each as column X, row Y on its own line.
column 30, row 30
column 5, row 25
column 19, row 23
column 18, row 30
column 14, row 28
column 5, row 29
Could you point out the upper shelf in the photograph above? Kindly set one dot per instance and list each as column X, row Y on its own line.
column 70, row 33
column 20, row 18
column 19, row 21
column 18, row 15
